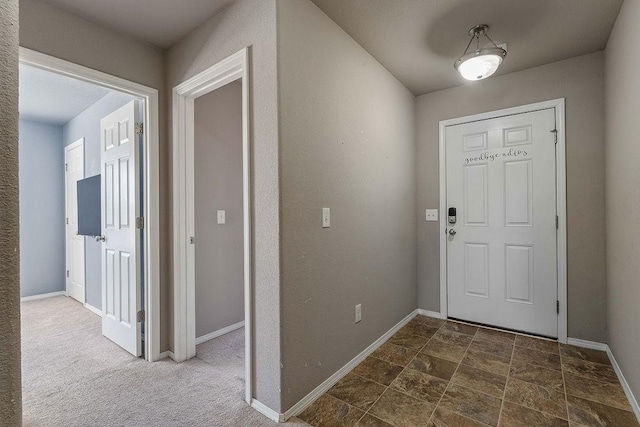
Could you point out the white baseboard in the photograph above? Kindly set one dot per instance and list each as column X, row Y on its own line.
column 219, row 332
column 267, row 412
column 43, row 296
column 93, row 309
column 625, row 385
column 429, row 313
column 329, row 382
column 623, row 381
column 588, row 344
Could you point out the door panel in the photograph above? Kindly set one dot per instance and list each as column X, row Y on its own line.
column 519, row 273
column 476, row 195
column 120, row 183
column 74, row 165
column 517, row 193
column 476, row 267
column 501, row 262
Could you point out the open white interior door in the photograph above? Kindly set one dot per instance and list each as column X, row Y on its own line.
column 121, row 299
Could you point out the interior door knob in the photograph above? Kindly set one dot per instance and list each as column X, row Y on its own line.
column 452, row 231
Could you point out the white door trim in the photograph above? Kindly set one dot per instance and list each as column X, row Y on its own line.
column 67, row 149
column 230, row 69
column 561, row 195
column 151, row 180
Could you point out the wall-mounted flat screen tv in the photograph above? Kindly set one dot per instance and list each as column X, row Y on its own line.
column 89, row 207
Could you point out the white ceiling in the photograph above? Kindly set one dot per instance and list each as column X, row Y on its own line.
column 419, row 40
column 50, row 98
column 161, row 23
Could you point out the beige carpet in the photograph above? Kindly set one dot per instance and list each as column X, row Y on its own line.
column 73, row 376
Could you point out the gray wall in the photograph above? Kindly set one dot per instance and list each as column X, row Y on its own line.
column 347, row 143
column 251, row 23
column 580, row 81
column 51, row 30
column 87, row 125
column 10, row 381
column 622, row 84
column 54, row 31
column 218, row 186
column 42, row 210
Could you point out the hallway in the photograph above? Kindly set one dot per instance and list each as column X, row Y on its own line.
column 73, row 376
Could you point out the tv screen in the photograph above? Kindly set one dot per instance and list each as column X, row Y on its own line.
column 89, row 207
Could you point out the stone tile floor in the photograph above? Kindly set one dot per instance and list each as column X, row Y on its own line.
column 441, row 373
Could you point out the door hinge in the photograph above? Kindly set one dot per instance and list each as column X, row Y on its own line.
column 140, row 316
column 558, row 307
column 555, row 135
column 67, row 273
column 139, row 128
column 557, row 222
column 66, row 220
column 66, row 167
column 192, row 240
column 140, row 222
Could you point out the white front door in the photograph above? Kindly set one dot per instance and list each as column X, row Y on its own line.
column 120, row 250
column 74, row 171
column 501, row 251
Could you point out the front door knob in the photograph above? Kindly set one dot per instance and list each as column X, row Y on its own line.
column 452, row 231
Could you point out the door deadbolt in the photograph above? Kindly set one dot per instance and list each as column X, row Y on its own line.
column 453, row 216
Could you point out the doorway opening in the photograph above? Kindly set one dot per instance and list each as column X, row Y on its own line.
column 218, row 214
column 212, row 214
column 75, row 197
column 503, row 216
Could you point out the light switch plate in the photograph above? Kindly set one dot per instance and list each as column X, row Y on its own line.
column 431, row 215
column 358, row 313
column 222, row 217
column 326, row 217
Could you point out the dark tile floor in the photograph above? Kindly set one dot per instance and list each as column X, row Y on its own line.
column 437, row 373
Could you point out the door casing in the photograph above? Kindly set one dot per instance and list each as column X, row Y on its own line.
column 150, row 181
column 234, row 67
column 561, row 200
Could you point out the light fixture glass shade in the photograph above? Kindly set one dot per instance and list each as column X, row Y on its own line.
column 479, row 66
column 483, row 61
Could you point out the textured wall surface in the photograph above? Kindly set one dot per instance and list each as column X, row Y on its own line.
column 87, row 125
column 580, row 80
column 218, row 185
column 250, row 23
column 346, row 143
column 10, row 383
column 42, row 228
column 622, row 88
column 56, row 32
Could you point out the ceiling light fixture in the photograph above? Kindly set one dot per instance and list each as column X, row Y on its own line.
column 482, row 62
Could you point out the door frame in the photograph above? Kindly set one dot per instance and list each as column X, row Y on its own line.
column 233, row 68
column 561, row 199
column 67, row 149
column 150, row 182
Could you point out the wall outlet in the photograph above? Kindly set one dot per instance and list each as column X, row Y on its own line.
column 431, row 215
column 326, row 217
column 358, row 313
column 222, row 217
